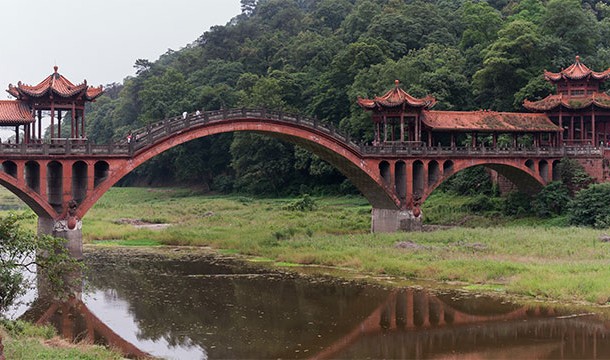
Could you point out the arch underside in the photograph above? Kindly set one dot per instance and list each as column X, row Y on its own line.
column 525, row 180
column 29, row 197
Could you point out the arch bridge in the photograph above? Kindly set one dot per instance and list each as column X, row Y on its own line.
column 63, row 179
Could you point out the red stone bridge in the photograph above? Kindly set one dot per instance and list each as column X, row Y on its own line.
column 62, row 180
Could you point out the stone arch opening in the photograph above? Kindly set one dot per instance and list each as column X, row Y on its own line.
column 543, row 170
column 79, row 181
column 100, row 172
column 32, row 175
column 384, row 171
column 55, row 184
column 418, row 179
column 448, row 167
column 400, row 179
column 434, row 172
column 530, row 164
column 10, row 168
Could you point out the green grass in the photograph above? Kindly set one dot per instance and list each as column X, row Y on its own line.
column 24, row 341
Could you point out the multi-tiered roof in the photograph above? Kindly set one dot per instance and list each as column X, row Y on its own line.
column 396, row 98
column 577, row 88
column 55, row 86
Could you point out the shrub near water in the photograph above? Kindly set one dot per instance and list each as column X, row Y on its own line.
column 591, row 207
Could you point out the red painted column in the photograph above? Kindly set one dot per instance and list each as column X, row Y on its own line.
column 409, row 183
column 66, row 175
column 90, row 177
column 43, row 179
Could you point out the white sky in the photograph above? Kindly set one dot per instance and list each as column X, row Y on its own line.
column 98, row 40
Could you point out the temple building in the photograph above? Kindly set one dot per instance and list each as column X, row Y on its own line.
column 401, row 119
column 15, row 113
column 578, row 107
column 57, row 97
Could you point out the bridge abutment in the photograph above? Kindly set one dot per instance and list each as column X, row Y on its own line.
column 389, row 220
column 61, row 229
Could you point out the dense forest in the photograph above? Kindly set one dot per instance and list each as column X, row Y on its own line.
column 315, row 57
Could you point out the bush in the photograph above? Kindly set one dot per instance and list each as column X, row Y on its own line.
column 552, row 200
column 306, row 203
column 573, row 175
column 517, row 204
column 480, row 203
column 470, row 181
column 590, row 207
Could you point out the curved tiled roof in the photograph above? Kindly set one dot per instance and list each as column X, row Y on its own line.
column 488, row 121
column 15, row 112
column 550, row 102
column 55, row 84
column 576, row 71
column 395, row 98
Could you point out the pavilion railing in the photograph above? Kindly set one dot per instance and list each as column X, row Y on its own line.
column 154, row 133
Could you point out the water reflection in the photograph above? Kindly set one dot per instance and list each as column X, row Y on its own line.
column 203, row 307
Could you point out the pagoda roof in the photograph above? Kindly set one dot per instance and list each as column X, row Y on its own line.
column 488, row 121
column 576, row 71
column 55, row 84
column 15, row 112
column 394, row 98
column 599, row 99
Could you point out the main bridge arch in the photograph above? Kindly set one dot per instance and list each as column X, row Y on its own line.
column 341, row 153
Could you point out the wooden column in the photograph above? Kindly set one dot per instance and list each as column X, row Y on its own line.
column 82, row 120
column 560, row 126
column 571, row 136
column 40, row 124
column 52, row 120
column 594, row 139
column 59, row 124
column 385, row 128
column 402, row 126
column 73, row 122
column 582, row 129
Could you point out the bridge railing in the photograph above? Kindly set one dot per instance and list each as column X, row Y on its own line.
column 422, row 150
column 64, row 147
column 159, row 130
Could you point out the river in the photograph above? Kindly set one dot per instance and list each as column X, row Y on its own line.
column 189, row 304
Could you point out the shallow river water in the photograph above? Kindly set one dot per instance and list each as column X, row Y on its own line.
column 201, row 306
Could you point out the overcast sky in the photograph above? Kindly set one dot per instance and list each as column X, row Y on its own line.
column 98, row 40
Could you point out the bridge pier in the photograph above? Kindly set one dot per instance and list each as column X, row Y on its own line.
column 389, row 220
column 63, row 229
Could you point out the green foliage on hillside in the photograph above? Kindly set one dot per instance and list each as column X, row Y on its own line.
column 316, row 57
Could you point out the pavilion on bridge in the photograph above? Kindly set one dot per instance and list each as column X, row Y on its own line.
column 578, row 107
column 579, row 114
column 57, row 97
column 402, row 119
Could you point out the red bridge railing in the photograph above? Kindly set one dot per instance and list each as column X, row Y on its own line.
column 153, row 133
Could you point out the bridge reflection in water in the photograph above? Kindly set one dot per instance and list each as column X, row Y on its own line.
column 414, row 324
column 409, row 324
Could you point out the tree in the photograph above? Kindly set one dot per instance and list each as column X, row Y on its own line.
column 590, row 207
column 22, row 251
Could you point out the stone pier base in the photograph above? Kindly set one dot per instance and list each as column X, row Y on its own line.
column 60, row 229
column 388, row 220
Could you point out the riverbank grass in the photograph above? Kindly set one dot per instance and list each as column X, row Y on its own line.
column 525, row 257
column 25, row 341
